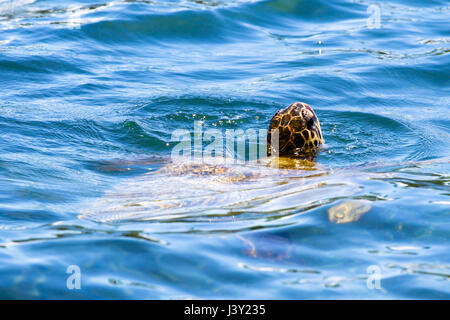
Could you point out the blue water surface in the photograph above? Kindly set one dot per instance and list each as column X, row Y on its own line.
column 91, row 92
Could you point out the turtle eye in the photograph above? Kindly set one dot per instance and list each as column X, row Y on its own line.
column 310, row 124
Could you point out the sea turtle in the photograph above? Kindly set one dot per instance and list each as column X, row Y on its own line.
column 180, row 188
column 209, row 191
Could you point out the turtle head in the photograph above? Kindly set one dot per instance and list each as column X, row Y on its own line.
column 298, row 129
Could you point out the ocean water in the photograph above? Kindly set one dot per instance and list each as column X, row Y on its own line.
column 92, row 91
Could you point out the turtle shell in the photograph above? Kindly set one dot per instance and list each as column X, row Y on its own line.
column 348, row 211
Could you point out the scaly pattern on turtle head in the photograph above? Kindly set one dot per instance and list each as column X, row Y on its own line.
column 298, row 131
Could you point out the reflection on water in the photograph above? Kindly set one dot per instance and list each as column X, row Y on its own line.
column 177, row 191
